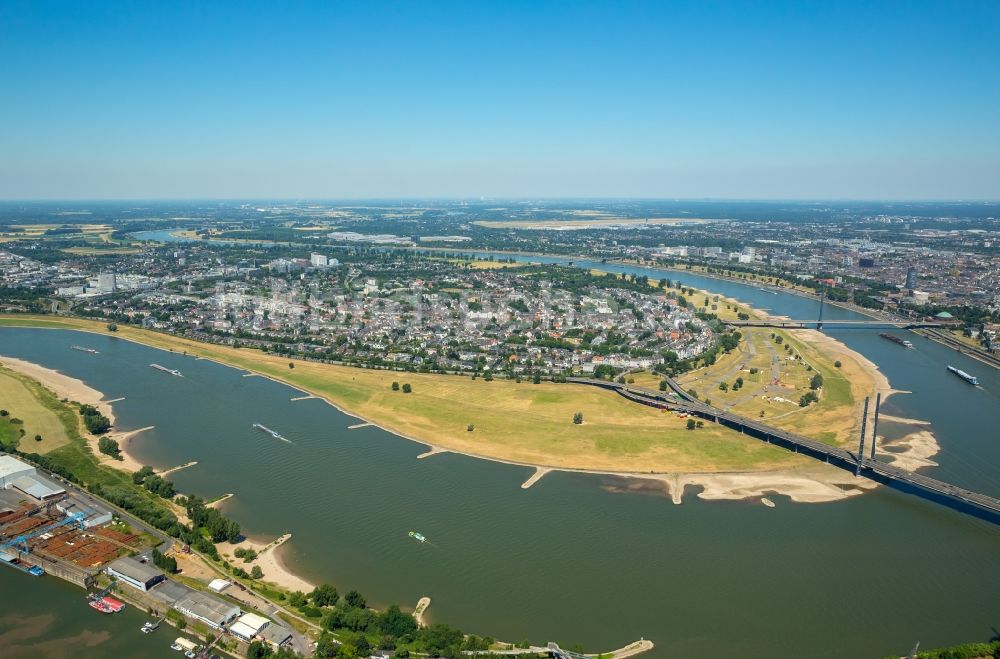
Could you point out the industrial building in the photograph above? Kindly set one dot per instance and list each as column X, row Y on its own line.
column 276, row 635
column 91, row 517
column 248, row 626
column 38, row 487
column 213, row 611
column 136, row 574
column 23, row 477
column 11, row 469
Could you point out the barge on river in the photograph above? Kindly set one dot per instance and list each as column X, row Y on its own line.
column 971, row 379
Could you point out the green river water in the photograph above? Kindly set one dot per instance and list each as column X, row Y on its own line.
column 569, row 560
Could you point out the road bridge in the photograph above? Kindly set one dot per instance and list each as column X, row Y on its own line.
column 676, row 399
column 819, row 324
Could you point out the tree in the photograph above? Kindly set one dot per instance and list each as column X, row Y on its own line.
column 258, row 650
column 110, row 447
column 537, row 379
column 837, row 363
column 407, row 388
column 691, row 424
column 38, row 438
column 112, row 327
column 723, row 386
column 297, row 599
column 324, row 595
column 396, row 623
column 470, row 427
column 164, row 562
column 291, row 365
column 139, row 476
column 395, row 386
column 663, row 385
column 816, row 382
column 356, row 600
column 256, row 572
column 578, row 418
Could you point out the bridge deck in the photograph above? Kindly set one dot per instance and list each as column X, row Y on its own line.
column 926, row 486
column 782, row 322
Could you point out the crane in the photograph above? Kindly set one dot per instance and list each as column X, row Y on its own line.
column 21, row 542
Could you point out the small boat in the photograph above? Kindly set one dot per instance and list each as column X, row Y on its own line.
column 174, row 646
column 149, row 627
column 419, row 537
column 767, row 502
column 82, row 349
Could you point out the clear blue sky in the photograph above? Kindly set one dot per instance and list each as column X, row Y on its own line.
column 866, row 100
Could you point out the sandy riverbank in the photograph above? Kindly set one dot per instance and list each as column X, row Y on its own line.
column 270, row 562
column 68, row 388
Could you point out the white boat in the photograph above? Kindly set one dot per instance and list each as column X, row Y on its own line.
column 419, row 537
column 767, row 502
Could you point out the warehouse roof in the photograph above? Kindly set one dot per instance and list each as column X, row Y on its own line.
column 36, row 486
column 10, row 466
column 207, row 607
column 134, row 569
column 275, row 633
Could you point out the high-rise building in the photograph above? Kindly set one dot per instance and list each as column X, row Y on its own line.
column 319, row 260
column 911, row 278
column 106, row 282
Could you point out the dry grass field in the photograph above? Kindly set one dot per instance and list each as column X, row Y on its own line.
column 516, row 422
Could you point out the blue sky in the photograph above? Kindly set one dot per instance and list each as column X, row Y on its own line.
column 801, row 100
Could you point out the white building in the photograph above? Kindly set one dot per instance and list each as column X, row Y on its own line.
column 319, row 260
column 11, row 469
column 249, row 626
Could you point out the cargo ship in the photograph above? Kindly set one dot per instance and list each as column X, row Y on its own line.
column 896, row 339
column 171, row 371
column 971, row 379
column 272, row 433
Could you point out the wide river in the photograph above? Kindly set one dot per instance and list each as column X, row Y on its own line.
column 568, row 560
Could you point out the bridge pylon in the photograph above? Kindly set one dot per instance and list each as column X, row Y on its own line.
column 861, row 446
